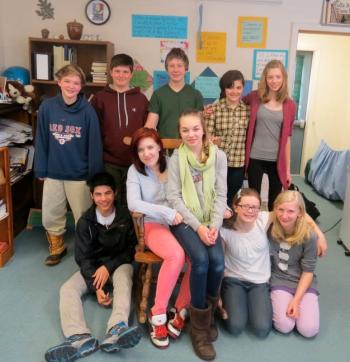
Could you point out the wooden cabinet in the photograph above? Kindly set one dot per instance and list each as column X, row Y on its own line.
column 6, row 227
column 85, row 53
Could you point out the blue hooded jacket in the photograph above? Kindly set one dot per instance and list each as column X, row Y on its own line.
column 68, row 142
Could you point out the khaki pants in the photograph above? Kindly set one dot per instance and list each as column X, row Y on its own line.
column 71, row 306
column 56, row 193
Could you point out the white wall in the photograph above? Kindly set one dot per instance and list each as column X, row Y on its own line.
column 20, row 21
column 2, row 58
column 328, row 115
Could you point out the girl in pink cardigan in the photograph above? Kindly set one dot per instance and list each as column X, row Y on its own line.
column 268, row 143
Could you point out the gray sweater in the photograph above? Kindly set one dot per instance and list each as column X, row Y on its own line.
column 288, row 265
column 146, row 194
column 174, row 193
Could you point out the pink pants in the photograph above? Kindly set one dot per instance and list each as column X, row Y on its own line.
column 308, row 322
column 162, row 242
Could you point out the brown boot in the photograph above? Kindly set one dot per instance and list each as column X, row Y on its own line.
column 199, row 331
column 213, row 331
column 57, row 249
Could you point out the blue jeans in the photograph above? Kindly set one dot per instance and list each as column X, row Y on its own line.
column 207, row 264
column 245, row 301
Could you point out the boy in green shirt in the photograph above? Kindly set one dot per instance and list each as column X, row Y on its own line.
column 169, row 101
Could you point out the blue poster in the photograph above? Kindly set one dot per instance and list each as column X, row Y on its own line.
column 161, row 77
column 157, row 26
column 208, row 84
column 248, row 87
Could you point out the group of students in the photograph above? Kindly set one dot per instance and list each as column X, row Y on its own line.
column 185, row 199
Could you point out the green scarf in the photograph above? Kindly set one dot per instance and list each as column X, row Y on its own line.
column 189, row 192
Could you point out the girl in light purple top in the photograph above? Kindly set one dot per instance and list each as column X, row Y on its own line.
column 146, row 193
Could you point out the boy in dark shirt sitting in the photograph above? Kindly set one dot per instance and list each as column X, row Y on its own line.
column 104, row 250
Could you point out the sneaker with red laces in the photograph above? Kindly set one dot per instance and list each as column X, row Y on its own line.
column 158, row 330
column 176, row 322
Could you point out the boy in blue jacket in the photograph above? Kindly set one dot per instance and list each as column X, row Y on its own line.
column 68, row 149
column 104, row 250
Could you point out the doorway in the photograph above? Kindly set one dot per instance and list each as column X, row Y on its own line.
column 300, row 95
column 323, row 100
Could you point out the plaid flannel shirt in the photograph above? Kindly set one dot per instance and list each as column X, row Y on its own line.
column 230, row 124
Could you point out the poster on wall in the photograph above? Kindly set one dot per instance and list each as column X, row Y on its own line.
column 263, row 56
column 208, row 84
column 140, row 77
column 167, row 45
column 161, row 77
column 251, row 32
column 336, row 12
column 211, row 47
column 158, row 26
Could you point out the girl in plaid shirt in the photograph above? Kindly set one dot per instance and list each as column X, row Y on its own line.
column 228, row 121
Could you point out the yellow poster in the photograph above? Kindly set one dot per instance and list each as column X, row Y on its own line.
column 211, row 47
column 251, row 32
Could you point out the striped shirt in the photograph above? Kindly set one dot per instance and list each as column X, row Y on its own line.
column 230, row 124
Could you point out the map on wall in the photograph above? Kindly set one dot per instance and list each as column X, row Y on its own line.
column 211, row 47
column 158, row 26
column 263, row 56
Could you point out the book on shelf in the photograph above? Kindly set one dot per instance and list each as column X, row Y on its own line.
column 42, row 66
column 63, row 55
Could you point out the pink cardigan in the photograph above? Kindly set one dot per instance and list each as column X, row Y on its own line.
column 287, row 128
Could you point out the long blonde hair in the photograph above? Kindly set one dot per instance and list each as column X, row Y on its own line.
column 263, row 89
column 205, row 139
column 302, row 229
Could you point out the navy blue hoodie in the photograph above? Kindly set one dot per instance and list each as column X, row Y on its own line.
column 68, row 142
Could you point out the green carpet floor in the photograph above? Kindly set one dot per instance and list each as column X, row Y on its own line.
column 29, row 320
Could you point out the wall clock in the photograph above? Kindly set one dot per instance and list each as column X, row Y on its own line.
column 97, row 11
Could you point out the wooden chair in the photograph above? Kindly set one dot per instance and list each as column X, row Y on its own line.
column 145, row 257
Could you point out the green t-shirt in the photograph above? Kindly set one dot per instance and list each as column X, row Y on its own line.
column 169, row 104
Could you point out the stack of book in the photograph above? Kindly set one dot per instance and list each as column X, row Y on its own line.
column 99, row 72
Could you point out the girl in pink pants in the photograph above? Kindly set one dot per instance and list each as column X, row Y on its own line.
column 293, row 248
column 146, row 193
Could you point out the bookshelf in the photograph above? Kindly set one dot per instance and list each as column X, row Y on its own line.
column 6, row 227
column 85, row 53
column 23, row 191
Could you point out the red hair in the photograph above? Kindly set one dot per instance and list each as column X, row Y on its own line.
column 139, row 135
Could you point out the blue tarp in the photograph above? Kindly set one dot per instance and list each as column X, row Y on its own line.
column 328, row 172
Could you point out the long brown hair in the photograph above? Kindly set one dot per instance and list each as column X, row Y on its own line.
column 139, row 135
column 301, row 230
column 205, row 139
column 230, row 223
column 263, row 89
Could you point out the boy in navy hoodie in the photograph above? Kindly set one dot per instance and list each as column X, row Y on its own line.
column 121, row 110
column 68, row 149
